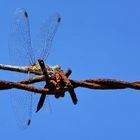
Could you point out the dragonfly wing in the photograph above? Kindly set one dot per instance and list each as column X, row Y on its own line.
column 21, row 54
column 47, row 105
column 22, row 107
column 43, row 46
column 20, row 48
column 45, row 36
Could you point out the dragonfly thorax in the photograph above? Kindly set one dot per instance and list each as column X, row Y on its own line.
column 52, row 69
column 36, row 67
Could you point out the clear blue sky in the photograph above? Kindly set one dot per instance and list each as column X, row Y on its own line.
column 96, row 39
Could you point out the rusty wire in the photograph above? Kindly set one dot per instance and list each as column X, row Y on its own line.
column 59, row 83
column 102, row 84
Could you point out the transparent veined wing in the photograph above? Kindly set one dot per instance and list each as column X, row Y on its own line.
column 20, row 47
column 22, row 107
column 21, row 54
column 44, row 38
column 43, row 43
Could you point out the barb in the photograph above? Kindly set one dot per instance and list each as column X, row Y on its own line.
column 48, row 84
column 69, row 86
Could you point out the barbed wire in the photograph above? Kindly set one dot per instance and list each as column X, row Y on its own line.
column 101, row 84
column 59, row 83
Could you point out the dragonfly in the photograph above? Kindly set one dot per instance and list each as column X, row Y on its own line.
column 23, row 54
